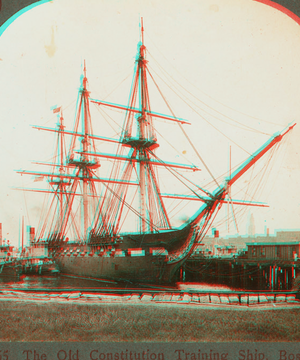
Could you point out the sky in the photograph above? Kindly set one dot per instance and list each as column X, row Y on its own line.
column 230, row 68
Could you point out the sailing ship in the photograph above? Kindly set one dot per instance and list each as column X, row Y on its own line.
column 99, row 248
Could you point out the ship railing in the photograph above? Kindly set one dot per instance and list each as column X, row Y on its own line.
column 33, row 257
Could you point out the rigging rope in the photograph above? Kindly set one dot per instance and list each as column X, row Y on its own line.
column 250, row 116
column 131, row 208
column 185, row 134
column 208, row 123
column 174, row 171
column 242, row 126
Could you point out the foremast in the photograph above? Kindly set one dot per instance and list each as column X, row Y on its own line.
column 85, row 164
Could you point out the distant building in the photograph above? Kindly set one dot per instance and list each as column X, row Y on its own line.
column 274, row 250
column 281, row 245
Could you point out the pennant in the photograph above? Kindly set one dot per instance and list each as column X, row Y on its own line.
column 39, row 178
column 56, row 110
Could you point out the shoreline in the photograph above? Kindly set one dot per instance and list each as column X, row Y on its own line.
column 175, row 300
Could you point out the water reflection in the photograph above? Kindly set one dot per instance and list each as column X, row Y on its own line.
column 68, row 282
column 201, row 283
column 51, row 282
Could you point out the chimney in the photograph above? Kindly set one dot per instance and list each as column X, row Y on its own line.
column 31, row 235
column 216, row 233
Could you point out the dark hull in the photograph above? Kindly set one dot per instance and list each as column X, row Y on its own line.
column 134, row 259
column 146, row 269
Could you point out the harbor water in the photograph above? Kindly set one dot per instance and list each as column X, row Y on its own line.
column 73, row 283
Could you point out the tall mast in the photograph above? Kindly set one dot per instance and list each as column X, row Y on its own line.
column 22, row 232
column 139, row 134
column 84, row 158
column 141, row 128
column 85, row 164
column 58, row 183
column 152, row 209
column 61, row 169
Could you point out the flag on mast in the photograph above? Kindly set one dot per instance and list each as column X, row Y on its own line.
column 56, row 110
column 38, row 178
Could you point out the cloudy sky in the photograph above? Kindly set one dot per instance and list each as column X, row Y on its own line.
column 231, row 68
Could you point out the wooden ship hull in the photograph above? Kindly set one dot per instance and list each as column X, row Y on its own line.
column 151, row 258
column 135, row 269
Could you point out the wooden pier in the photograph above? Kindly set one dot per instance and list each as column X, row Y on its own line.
column 259, row 274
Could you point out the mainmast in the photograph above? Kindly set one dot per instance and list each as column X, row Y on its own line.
column 139, row 135
column 141, row 128
column 84, row 158
column 151, row 204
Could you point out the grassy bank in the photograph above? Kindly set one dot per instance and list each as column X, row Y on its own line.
column 22, row 321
